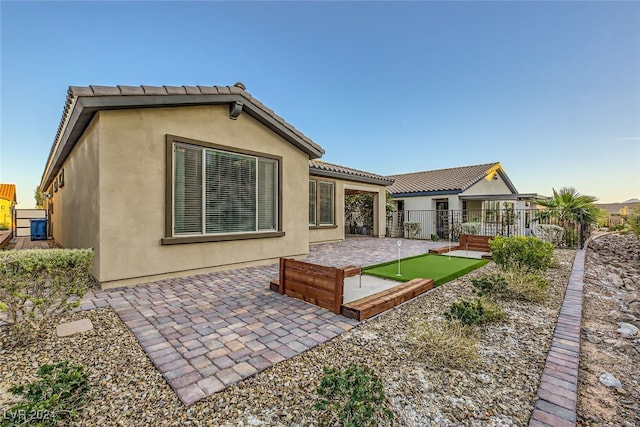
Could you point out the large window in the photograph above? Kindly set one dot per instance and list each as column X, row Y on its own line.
column 321, row 203
column 218, row 192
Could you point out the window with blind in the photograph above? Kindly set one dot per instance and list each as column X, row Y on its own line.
column 220, row 192
column 312, row 202
column 321, row 203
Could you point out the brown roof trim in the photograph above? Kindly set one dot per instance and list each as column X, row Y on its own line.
column 83, row 102
column 329, row 170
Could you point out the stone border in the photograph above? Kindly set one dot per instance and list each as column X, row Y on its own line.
column 557, row 392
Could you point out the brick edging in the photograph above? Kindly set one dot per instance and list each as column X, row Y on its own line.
column 557, row 392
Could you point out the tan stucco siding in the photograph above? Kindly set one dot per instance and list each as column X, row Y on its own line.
column 76, row 205
column 321, row 235
column 133, row 174
column 487, row 186
column 419, row 203
column 474, row 205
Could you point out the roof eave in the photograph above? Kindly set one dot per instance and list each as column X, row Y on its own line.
column 85, row 108
column 507, row 181
column 349, row 177
column 514, row 196
column 425, row 193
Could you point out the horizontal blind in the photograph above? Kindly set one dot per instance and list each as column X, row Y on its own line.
column 267, row 203
column 187, row 197
column 312, row 202
column 326, row 203
column 230, row 192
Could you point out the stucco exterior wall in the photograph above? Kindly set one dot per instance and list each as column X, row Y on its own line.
column 418, row 203
column 5, row 212
column 75, row 219
column 487, row 186
column 333, row 234
column 132, row 185
column 474, row 205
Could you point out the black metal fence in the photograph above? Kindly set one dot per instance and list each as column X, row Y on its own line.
column 552, row 226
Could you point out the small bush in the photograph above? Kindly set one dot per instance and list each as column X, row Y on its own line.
column 550, row 233
column 528, row 287
column 523, row 254
column 449, row 344
column 352, row 397
column 59, row 395
column 435, row 237
column 619, row 227
column 470, row 228
column 4, row 227
column 476, row 312
column 38, row 284
column 412, row 229
column 492, row 285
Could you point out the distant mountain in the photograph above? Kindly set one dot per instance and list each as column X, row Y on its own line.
column 614, row 208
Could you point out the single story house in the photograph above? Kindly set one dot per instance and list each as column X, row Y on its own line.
column 172, row 181
column 7, row 204
column 440, row 198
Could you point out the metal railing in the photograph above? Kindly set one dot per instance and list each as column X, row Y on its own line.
column 552, row 226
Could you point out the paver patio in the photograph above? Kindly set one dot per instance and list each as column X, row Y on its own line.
column 208, row 331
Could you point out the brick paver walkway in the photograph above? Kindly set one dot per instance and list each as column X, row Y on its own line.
column 557, row 393
column 206, row 332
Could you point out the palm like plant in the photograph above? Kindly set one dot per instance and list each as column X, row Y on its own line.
column 570, row 206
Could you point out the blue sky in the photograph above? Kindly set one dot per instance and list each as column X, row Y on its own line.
column 550, row 89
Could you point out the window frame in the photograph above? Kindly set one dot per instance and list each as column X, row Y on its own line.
column 317, row 224
column 171, row 238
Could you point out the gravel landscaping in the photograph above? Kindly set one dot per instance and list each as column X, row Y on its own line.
column 499, row 390
column 611, row 300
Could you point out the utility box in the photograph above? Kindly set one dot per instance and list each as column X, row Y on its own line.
column 39, row 229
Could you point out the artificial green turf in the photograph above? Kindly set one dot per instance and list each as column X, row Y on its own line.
column 440, row 268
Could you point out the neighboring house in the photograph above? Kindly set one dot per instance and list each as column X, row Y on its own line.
column 170, row 181
column 7, row 204
column 437, row 198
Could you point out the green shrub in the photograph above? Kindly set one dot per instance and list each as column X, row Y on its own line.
column 474, row 312
column 59, row 394
column 523, row 254
column 634, row 221
column 447, row 344
column 470, row 228
column 352, row 397
column 38, row 284
column 435, row 237
column 4, row 227
column 619, row 227
column 492, row 285
column 528, row 286
column 412, row 229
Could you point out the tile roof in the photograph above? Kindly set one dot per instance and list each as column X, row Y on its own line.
column 455, row 180
column 320, row 168
column 83, row 101
column 8, row 192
